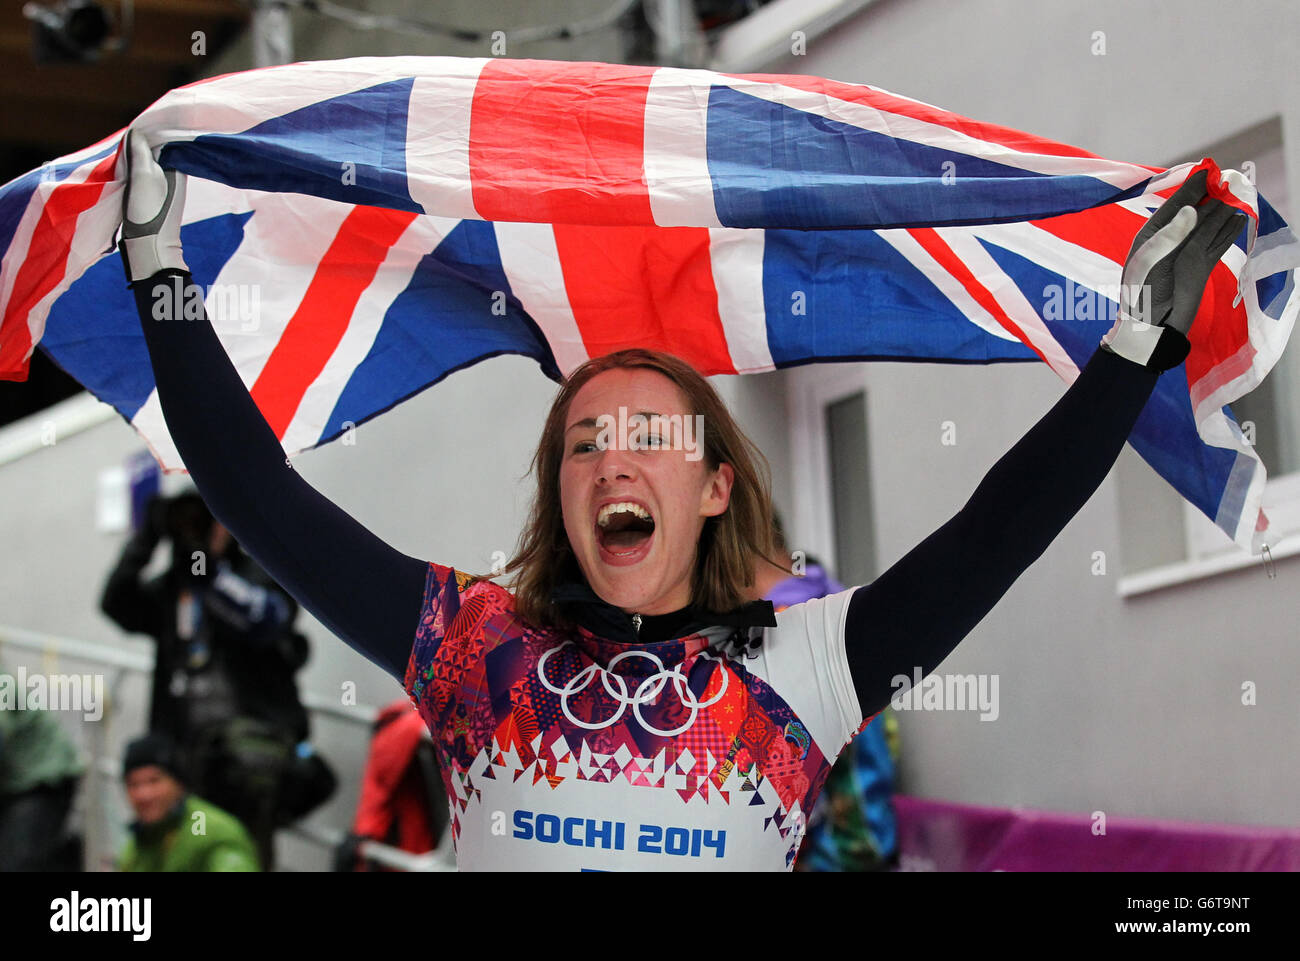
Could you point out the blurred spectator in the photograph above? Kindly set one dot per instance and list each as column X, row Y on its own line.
column 226, row 655
column 403, row 803
column 852, row 826
column 175, row 830
column 39, row 772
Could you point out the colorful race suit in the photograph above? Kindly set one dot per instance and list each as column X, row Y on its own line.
column 564, row 750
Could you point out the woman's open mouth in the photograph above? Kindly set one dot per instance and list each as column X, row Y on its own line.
column 624, row 532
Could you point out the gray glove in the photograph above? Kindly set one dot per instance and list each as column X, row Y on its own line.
column 1165, row 275
column 151, row 214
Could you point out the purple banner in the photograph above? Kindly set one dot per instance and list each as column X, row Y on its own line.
column 938, row 836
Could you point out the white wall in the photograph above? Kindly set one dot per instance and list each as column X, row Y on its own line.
column 1131, row 707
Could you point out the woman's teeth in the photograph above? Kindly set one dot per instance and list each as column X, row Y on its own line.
column 606, row 512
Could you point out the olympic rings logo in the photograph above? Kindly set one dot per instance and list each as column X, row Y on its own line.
column 647, row 691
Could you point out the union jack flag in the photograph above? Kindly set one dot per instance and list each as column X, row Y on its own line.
column 363, row 228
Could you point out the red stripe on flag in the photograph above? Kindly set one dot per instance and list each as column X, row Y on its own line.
column 937, row 248
column 46, row 262
column 891, row 103
column 560, row 143
column 646, row 287
column 1107, row 230
column 1220, row 333
column 317, row 326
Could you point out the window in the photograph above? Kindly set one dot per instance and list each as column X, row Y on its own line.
column 830, row 469
column 1165, row 539
column 846, row 440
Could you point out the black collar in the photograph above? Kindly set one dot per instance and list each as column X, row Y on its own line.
column 605, row 620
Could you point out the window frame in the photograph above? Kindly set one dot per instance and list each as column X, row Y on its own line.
column 812, row 388
column 1207, row 549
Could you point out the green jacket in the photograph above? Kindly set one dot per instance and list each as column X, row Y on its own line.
column 34, row 751
column 211, row 841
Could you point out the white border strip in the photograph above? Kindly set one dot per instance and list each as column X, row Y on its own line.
column 531, row 262
column 676, row 149
column 437, row 141
column 736, row 258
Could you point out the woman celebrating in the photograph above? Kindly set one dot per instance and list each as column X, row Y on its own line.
column 628, row 706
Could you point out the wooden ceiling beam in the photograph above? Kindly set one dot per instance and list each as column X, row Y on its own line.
column 215, row 9
column 70, row 127
column 151, row 9
column 56, row 107
column 167, row 40
column 100, row 84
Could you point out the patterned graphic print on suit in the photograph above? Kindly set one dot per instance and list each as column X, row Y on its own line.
column 562, row 750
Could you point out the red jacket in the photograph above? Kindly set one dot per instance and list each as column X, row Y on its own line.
column 395, row 805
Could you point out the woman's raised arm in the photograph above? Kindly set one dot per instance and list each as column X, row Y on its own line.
column 914, row 614
column 363, row 590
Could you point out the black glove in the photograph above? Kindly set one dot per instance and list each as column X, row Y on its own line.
column 1165, row 275
column 151, row 213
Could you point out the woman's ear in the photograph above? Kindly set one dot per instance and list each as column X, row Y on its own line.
column 717, row 495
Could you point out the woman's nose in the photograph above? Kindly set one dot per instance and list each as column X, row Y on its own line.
column 614, row 464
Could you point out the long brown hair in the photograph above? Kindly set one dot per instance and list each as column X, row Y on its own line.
column 730, row 543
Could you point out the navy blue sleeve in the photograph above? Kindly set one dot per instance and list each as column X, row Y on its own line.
column 915, row 613
column 364, row 591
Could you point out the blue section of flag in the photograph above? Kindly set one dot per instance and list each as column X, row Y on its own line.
column 1268, row 289
column 93, row 332
column 350, row 148
column 774, row 164
column 861, row 299
column 436, row 326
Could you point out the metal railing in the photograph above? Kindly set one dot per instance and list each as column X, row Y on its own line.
column 439, row 859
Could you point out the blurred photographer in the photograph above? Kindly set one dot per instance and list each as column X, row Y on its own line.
column 223, row 683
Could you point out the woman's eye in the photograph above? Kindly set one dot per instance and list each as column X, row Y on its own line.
column 649, row 441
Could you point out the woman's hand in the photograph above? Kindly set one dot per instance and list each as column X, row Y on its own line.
column 151, row 213
column 1165, row 275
